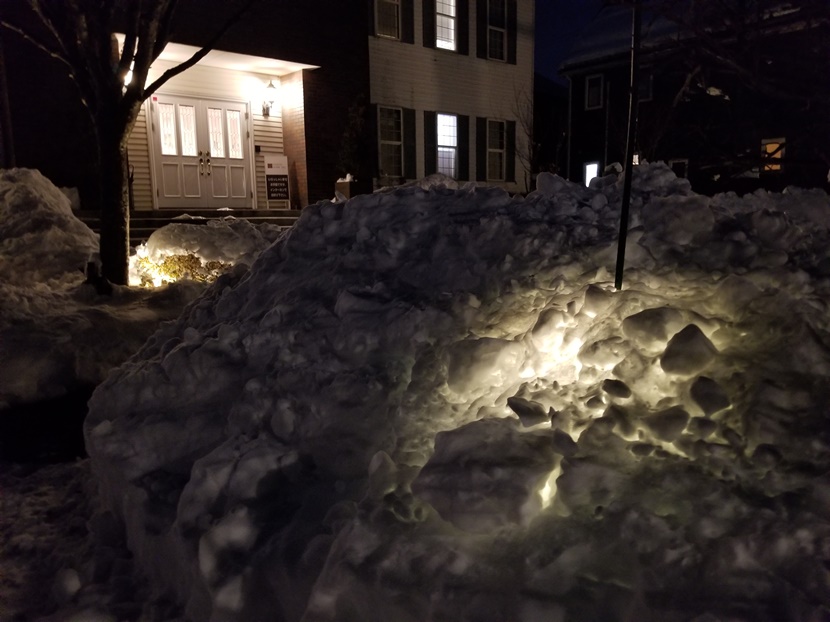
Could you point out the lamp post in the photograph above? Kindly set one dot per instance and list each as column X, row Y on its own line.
column 633, row 92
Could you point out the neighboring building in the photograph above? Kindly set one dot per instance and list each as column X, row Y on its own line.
column 421, row 86
column 734, row 107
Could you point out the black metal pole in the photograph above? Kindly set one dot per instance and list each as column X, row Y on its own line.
column 633, row 93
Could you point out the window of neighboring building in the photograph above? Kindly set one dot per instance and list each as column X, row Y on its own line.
column 593, row 92
column 772, row 152
column 679, row 167
column 591, row 170
column 391, row 142
column 448, row 144
column 445, row 33
column 645, row 88
column 497, row 29
column 388, row 16
column 496, row 150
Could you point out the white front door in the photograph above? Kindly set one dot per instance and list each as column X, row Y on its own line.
column 200, row 152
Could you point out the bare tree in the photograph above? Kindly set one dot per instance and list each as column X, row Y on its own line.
column 81, row 35
column 753, row 57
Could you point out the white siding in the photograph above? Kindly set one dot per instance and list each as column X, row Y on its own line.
column 210, row 82
column 139, row 155
column 413, row 76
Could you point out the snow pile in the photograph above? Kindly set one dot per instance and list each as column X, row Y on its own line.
column 200, row 252
column 55, row 332
column 431, row 403
column 40, row 237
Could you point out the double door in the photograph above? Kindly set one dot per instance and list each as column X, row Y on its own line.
column 201, row 153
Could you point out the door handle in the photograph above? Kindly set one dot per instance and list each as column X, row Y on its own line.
column 207, row 153
column 201, row 164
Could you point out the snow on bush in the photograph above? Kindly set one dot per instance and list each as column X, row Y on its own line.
column 199, row 252
column 431, row 403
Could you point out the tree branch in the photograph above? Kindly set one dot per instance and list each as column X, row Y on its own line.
column 174, row 71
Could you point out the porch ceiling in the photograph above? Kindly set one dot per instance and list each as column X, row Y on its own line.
column 274, row 67
column 177, row 52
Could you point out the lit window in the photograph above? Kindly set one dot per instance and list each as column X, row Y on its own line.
column 388, row 18
column 445, row 24
column 496, row 29
column 391, row 142
column 495, row 150
column 635, row 159
column 447, row 144
column 591, row 172
column 593, row 92
column 772, row 152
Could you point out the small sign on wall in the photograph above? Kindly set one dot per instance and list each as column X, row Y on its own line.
column 276, row 178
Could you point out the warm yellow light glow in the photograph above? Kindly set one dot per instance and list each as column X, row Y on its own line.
column 548, row 491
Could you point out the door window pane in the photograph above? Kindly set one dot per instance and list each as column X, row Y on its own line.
column 187, row 126
column 216, row 133
column 167, row 129
column 234, row 134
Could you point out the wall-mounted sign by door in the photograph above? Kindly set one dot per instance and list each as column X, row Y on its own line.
column 276, row 178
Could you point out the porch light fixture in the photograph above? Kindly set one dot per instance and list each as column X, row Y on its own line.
column 269, row 98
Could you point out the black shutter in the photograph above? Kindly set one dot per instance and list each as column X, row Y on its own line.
column 511, row 31
column 408, row 21
column 429, row 23
column 481, row 28
column 430, row 142
column 372, row 31
column 462, row 26
column 510, row 173
column 481, row 149
column 463, row 147
column 374, row 150
column 409, row 140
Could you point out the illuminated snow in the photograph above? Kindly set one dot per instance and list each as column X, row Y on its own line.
column 431, row 403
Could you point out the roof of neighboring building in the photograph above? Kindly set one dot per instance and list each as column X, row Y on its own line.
column 610, row 35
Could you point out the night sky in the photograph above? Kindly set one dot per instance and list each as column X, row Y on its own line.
column 558, row 24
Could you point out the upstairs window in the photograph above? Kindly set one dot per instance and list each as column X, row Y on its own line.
column 390, row 122
column 496, row 150
column 772, row 152
column 497, row 29
column 593, row 92
column 447, row 144
column 388, row 19
column 445, row 31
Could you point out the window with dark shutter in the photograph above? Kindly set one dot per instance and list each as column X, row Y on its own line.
column 481, row 149
column 510, row 164
column 388, row 18
column 496, row 150
column 497, row 29
column 390, row 148
column 430, row 142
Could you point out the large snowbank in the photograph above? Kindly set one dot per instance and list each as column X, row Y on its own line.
column 56, row 333
column 429, row 404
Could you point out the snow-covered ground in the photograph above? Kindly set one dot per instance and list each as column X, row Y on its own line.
column 430, row 403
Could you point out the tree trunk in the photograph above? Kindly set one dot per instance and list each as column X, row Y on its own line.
column 115, row 207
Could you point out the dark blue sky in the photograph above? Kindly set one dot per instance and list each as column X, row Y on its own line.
column 558, row 24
